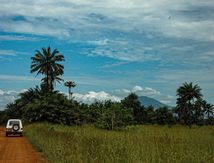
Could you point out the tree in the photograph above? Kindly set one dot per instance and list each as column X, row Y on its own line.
column 150, row 115
column 17, row 108
column 164, row 116
column 114, row 117
column 187, row 94
column 46, row 62
column 198, row 112
column 209, row 111
column 55, row 108
column 70, row 84
column 132, row 102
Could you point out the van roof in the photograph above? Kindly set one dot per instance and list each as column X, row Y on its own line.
column 14, row 120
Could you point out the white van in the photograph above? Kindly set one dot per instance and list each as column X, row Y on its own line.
column 14, row 127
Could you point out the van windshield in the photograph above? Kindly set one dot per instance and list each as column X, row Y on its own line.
column 11, row 123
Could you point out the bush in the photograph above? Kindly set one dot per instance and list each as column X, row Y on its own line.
column 114, row 117
column 53, row 108
column 164, row 116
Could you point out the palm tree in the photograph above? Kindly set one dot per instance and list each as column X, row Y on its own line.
column 208, row 109
column 53, row 78
column 69, row 84
column 46, row 62
column 187, row 93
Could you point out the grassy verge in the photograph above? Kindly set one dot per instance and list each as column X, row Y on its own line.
column 136, row 144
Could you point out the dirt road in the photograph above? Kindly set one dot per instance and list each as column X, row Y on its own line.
column 17, row 149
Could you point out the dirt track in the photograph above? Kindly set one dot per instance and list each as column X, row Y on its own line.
column 17, row 149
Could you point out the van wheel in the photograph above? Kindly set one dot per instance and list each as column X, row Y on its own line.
column 15, row 127
column 6, row 135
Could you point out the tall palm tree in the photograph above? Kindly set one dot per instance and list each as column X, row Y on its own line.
column 53, row 78
column 70, row 84
column 46, row 62
column 187, row 94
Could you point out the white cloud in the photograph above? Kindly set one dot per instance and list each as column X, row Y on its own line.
column 99, row 42
column 124, row 30
column 17, row 38
column 167, row 102
column 15, row 78
column 151, row 91
column 1, row 92
column 117, row 64
column 7, row 53
column 92, row 96
column 57, row 18
column 128, row 30
column 7, row 97
column 23, row 90
column 137, row 89
column 146, row 91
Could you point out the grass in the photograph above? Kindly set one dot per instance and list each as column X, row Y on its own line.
column 136, row 144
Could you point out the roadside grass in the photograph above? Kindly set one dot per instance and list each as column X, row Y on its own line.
column 146, row 143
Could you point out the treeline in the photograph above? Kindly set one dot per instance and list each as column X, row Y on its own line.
column 43, row 103
column 36, row 105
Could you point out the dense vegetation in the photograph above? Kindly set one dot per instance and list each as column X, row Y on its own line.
column 142, row 143
column 44, row 103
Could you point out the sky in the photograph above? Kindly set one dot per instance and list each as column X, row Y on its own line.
column 111, row 47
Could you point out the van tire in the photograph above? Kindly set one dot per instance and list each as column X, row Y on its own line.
column 16, row 127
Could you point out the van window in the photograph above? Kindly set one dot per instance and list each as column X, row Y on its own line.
column 11, row 123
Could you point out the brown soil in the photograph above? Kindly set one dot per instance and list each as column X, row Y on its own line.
column 16, row 149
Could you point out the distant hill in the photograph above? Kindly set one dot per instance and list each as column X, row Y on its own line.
column 147, row 101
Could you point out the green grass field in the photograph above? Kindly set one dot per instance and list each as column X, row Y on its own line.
column 136, row 144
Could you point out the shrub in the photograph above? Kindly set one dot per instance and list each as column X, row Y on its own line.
column 53, row 108
column 114, row 117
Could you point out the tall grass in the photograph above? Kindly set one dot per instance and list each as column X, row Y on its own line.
column 136, row 144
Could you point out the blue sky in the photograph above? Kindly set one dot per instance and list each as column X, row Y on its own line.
column 111, row 47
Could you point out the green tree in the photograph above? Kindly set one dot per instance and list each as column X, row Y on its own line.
column 132, row 102
column 209, row 112
column 47, row 63
column 150, row 115
column 187, row 95
column 198, row 112
column 70, row 84
column 53, row 107
column 164, row 116
column 208, row 109
column 114, row 117
column 17, row 108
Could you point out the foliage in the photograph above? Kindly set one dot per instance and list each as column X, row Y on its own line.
column 142, row 143
column 131, row 102
column 187, row 95
column 69, row 84
column 47, row 63
column 164, row 116
column 38, row 105
column 35, row 105
column 53, row 108
column 114, row 117
column 150, row 115
column 209, row 112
